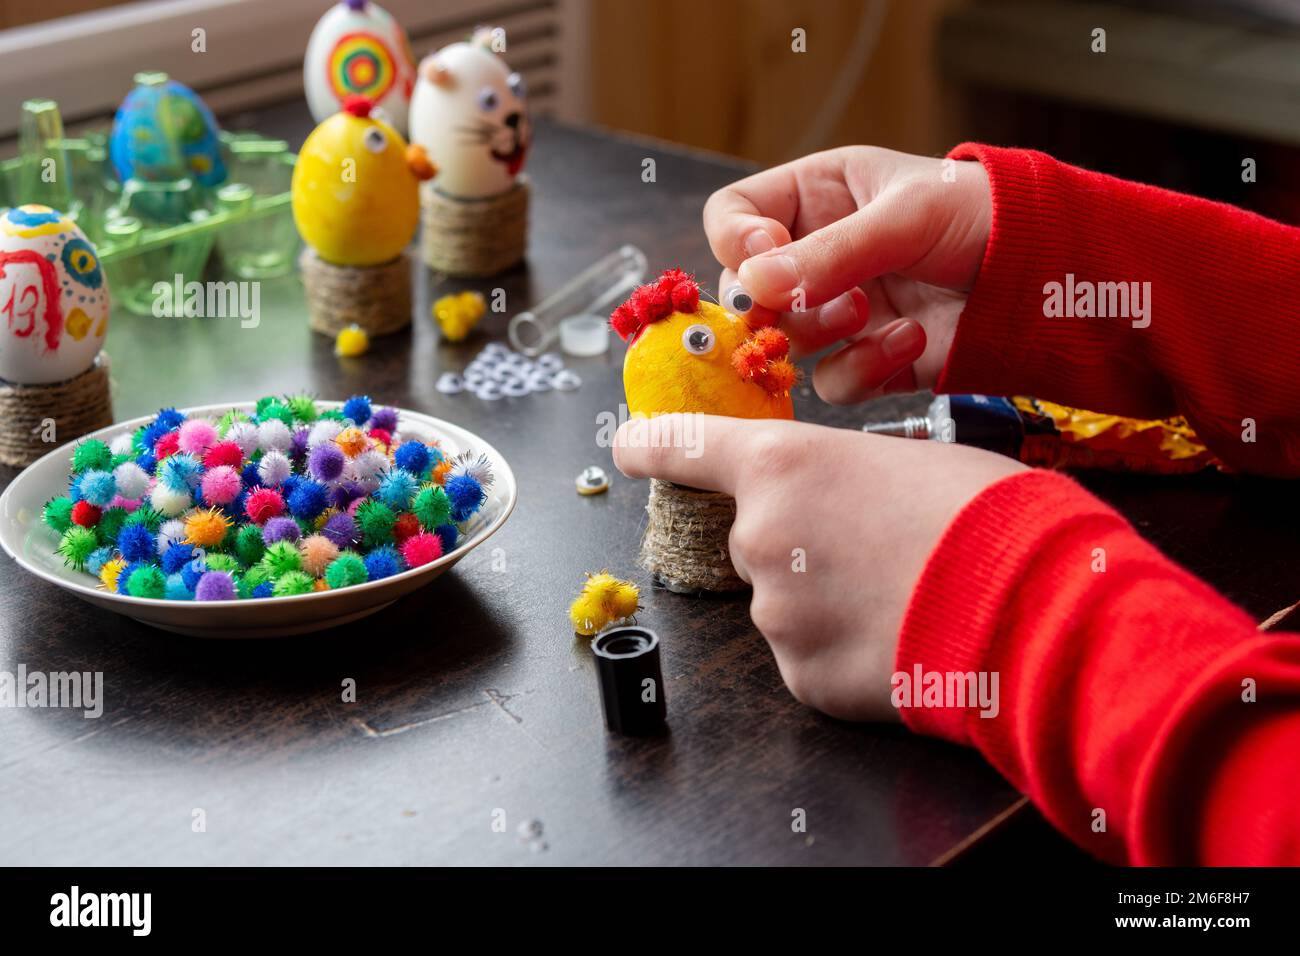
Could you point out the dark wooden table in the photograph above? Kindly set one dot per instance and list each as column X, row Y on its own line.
column 474, row 701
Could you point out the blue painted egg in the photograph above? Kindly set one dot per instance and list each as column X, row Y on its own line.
column 163, row 131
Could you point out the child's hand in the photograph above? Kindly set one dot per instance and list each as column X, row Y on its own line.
column 863, row 232
column 864, row 512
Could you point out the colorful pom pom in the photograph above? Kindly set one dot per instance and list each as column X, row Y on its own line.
column 176, row 557
column 375, row 519
column 280, row 529
column 385, row 418
column 432, row 507
column 325, row 462
column 243, row 434
column 351, row 341
column 308, row 499
column 180, row 472
column 227, row 453
column 132, row 480
column 136, row 543
column 91, row 453
column 207, row 529
column 412, row 456
column 273, row 468
column 170, row 503
column 383, row 562
column 604, row 599
column 110, row 524
column 406, row 526
column 357, row 408
column 346, row 570
column 76, row 546
column 281, row 558
column 146, row 581
column 98, row 558
column 196, row 436
column 421, row 548
column 215, row 586
column 263, row 504
column 175, row 589
column 274, row 435
column 221, row 485
column 293, row 582
column 325, row 430
column 57, row 514
column 167, row 445
column 342, row 530
column 352, row 441
column 85, row 514
column 465, row 494
column 110, row 572
column 397, row 488
column 249, row 546
column 318, row 552
column 97, row 487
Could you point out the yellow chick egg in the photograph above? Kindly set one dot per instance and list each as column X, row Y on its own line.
column 688, row 355
column 354, row 190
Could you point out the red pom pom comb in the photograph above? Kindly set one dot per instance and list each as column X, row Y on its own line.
column 674, row 291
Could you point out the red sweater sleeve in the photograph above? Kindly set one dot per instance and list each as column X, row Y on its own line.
column 1130, row 695
column 1218, row 342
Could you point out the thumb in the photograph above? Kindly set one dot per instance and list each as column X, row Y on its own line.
column 882, row 237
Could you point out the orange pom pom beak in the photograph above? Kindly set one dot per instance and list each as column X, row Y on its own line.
column 762, row 360
column 418, row 160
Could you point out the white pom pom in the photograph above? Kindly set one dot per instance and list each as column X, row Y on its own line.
column 243, row 434
column 122, row 445
column 273, row 468
column 170, row 503
column 132, row 480
column 172, row 532
column 274, row 435
column 327, row 429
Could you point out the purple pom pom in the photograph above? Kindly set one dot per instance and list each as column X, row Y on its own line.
column 298, row 447
column 341, row 529
column 326, row 461
column 215, row 586
column 385, row 418
column 280, row 529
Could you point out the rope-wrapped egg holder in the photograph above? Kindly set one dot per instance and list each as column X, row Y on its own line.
column 474, row 238
column 375, row 298
column 80, row 405
column 686, row 539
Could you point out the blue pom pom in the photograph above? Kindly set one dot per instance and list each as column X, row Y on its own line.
column 383, row 562
column 412, row 456
column 265, row 589
column 308, row 499
column 97, row 487
column 168, row 419
column 152, row 432
column 447, row 534
column 136, row 543
column 191, row 573
column 176, row 557
column 397, row 488
column 147, row 461
column 357, row 408
column 176, row 589
column 98, row 558
column 251, row 478
column 180, row 472
column 465, row 494
column 290, row 483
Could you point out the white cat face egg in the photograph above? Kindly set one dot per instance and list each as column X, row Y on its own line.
column 469, row 112
column 53, row 297
column 357, row 48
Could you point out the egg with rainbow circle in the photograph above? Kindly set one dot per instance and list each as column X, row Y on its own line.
column 164, row 131
column 53, row 297
column 359, row 49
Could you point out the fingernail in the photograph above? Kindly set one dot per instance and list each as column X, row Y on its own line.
column 758, row 242
column 772, row 274
column 838, row 312
column 902, row 343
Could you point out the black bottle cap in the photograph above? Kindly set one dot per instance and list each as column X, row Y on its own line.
column 631, row 682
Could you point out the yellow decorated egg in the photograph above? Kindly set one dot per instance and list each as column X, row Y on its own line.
column 53, row 297
column 354, row 190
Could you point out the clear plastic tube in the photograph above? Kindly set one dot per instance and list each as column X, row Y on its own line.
column 593, row 292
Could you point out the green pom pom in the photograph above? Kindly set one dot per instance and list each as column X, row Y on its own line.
column 432, row 507
column 219, row 561
column 256, row 575
column 281, row 558
column 111, row 522
column 345, row 570
column 334, row 414
column 293, row 582
column 121, row 460
column 147, row 582
column 91, row 453
column 249, row 546
column 58, row 514
column 146, row 516
column 376, row 521
column 274, row 409
column 228, row 419
column 303, row 408
column 76, row 545
column 137, row 440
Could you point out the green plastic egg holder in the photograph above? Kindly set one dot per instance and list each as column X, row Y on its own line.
column 151, row 232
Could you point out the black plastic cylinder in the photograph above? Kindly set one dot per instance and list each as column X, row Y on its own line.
column 631, row 682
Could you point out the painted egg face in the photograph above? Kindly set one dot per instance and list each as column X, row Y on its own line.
column 358, row 49
column 163, row 131
column 53, row 297
column 470, row 114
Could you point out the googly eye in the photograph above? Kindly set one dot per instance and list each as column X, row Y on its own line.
column 737, row 301
column 375, row 139
column 487, row 99
column 517, row 85
column 698, row 340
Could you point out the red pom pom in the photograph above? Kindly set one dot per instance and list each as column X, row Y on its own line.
column 381, row 435
column 686, row 296
column 674, row 291
column 422, row 548
column 169, row 444
column 748, row 361
column 224, row 453
column 85, row 514
column 772, row 343
column 406, row 526
column 779, row 377
column 263, row 504
column 624, row 322
column 651, row 303
column 357, row 105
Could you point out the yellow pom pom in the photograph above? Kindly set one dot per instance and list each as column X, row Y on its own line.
column 604, row 600
column 351, row 342
column 458, row 314
column 110, row 572
column 320, row 585
column 353, row 441
column 206, row 528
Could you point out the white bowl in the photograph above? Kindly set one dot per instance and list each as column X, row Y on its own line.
column 30, row 542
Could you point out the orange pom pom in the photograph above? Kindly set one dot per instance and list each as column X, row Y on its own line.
column 772, row 342
column 748, row 360
column 779, row 377
column 353, row 441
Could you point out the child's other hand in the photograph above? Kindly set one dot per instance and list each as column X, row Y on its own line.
column 865, row 510
column 884, row 246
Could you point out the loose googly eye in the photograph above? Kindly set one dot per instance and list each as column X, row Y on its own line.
column 517, row 85
column 698, row 340
column 736, row 300
column 487, row 99
column 375, row 139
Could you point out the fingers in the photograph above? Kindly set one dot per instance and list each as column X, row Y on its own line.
column 857, row 371
column 701, row 451
column 751, row 216
column 814, row 329
column 883, row 236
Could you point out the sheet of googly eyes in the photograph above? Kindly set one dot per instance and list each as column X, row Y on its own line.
column 497, row 372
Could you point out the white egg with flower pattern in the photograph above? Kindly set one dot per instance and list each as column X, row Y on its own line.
column 53, row 297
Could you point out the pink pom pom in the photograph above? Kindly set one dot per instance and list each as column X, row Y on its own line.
column 197, row 436
column 224, row 453
column 126, row 504
column 221, row 485
column 421, row 548
column 264, row 504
